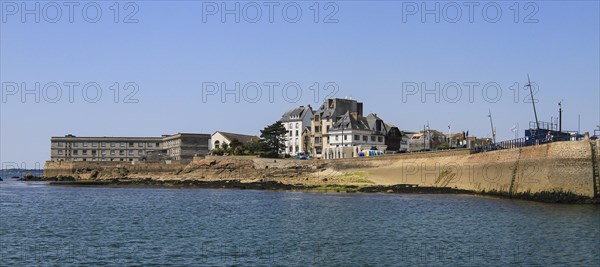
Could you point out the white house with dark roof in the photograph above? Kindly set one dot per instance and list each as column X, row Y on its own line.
column 325, row 117
column 352, row 133
column 219, row 138
column 295, row 121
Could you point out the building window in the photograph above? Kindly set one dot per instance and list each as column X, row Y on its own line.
column 113, row 144
column 131, row 152
column 103, row 144
column 130, row 143
column 140, row 152
column 149, row 144
column 84, row 152
column 60, row 152
column 103, row 152
column 122, row 144
column 85, row 144
column 121, row 152
column 75, row 152
column 356, row 137
column 372, row 138
column 157, row 144
column 296, row 132
column 297, row 125
column 75, row 144
column 379, row 139
column 112, row 152
column 93, row 152
column 60, row 144
column 291, row 133
column 94, row 144
column 345, row 137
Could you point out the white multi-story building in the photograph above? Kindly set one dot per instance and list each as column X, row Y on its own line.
column 295, row 121
column 352, row 133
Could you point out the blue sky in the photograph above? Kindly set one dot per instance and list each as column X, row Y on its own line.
column 370, row 51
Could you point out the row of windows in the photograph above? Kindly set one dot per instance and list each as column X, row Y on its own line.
column 109, row 144
column 172, row 143
column 102, row 152
column 357, row 137
column 107, row 159
column 364, row 138
column 294, row 141
column 291, row 133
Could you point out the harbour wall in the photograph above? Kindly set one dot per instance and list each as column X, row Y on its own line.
column 555, row 167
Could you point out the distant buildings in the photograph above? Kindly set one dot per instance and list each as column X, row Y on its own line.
column 426, row 140
column 338, row 129
column 179, row 147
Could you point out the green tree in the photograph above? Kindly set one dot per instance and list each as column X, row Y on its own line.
column 273, row 136
column 235, row 144
column 255, row 147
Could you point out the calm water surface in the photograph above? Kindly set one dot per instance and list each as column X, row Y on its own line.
column 47, row 225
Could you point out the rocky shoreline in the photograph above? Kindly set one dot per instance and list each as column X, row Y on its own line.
column 546, row 197
column 554, row 173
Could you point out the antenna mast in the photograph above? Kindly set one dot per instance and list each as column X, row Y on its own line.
column 560, row 116
column 537, row 123
column 492, row 124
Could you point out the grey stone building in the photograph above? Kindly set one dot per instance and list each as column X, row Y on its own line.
column 180, row 147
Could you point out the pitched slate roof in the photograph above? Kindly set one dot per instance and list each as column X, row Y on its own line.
column 347, row 122
column 296, row 113
column 240, row 137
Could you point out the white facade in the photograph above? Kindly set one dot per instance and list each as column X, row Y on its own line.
column 218, row 139
column 294, row 122
column 347, row 143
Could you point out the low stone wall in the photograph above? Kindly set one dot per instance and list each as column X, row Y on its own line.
column 93, row 170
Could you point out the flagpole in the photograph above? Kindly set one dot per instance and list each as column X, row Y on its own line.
column 449, row 135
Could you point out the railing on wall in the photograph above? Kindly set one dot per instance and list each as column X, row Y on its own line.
column 515, row 143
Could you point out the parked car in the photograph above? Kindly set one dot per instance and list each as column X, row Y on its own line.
column 301, row 156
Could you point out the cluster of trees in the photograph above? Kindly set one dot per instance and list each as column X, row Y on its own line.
column 271, row 143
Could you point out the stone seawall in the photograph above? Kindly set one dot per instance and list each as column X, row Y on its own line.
column 561, row 167
column 107, row 170
column 556, row 167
